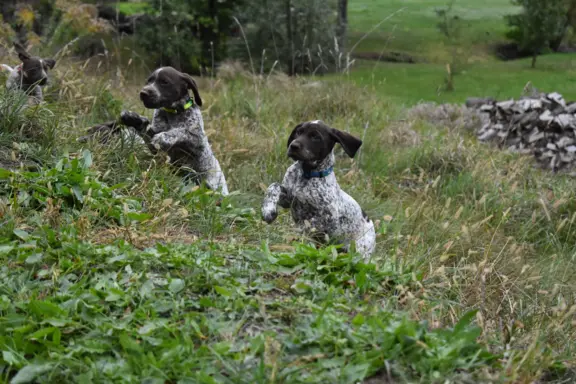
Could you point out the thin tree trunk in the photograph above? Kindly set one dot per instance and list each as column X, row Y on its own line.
column 342, row 24
column 209, row 36
column 534, row 58
column 290, row 37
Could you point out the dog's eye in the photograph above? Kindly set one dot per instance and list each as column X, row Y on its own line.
column 315, row 136
column 162, row 82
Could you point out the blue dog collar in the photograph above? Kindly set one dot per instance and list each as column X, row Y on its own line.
column 318, row 174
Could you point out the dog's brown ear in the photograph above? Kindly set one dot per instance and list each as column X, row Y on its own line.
column 349, row 143
column 50, row 63
column 21, row 51
column 293, row 134
column 192, row 85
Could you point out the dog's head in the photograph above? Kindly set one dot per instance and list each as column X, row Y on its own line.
column 34, row 69
column 166, row 86
column 312, row 141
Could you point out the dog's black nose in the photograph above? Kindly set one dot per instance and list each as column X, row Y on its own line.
column 294, row 146
column 144, row 93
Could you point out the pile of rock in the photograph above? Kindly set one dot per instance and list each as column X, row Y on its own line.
column 543, row 125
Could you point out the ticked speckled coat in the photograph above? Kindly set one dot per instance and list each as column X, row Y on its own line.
column 182, row 137
column 321, row 209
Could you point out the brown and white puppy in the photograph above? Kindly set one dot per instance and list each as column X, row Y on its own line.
column 30, row 75
column 177, row 127
column 318, row 206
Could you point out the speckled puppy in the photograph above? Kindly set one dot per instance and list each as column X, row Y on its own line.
column 318, row 206
column 30, row 75
column 177, row 127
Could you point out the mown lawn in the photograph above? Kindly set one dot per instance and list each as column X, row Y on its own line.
column 410, row 26
column 412, row 83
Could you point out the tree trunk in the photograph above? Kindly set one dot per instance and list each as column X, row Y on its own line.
column 534, row 57
column 342, row 24
column 209, row 36
column 290, row 37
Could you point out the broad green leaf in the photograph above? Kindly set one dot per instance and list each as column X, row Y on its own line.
column 129, row 343
column 113, row 296
column 56, row 336
column 358, row 319
column 29, row 373
column 355, row 373
column 147, row 288
column 116, row 258
column 5, row 174
column 138, row 216
column 45, row 309
column 78, row 193
column 147, row 328
column 6, row 249
column 87, row 157
column 33, row 259
column 42, row 333
column 22, row 234
column 56, row 322
column 223, row 291
column 176, row 285
column 10, row 358
column 465, row 321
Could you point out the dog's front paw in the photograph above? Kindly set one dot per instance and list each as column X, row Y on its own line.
column 159, row 142
column 269, row 212
column 132, row 119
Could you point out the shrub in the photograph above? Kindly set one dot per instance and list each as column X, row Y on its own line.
column 78, row 23
column 298, row 36
column 188, row 35
column 538, row 26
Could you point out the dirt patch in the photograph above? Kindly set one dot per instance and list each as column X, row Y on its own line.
column 390, row 57
column 510, row 51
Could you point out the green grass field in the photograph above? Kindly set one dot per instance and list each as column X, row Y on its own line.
column 412, row 27
column 114, row 271
column 413, row 31
column 413, row 83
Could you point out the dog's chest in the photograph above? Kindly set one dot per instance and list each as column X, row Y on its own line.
column 188, row 125
column 315, row 200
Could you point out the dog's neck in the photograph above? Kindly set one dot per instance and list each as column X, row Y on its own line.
column 180, row 106
column 320, row 169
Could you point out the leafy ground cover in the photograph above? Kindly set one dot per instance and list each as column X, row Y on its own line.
column 114, row 271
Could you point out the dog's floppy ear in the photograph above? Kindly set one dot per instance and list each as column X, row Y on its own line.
column 293, row 134
column 22, row 54
column 50, row 63
column 349, row 143
column 192, row 85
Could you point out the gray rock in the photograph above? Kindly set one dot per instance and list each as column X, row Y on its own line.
column 543, row 125
column 478, row 102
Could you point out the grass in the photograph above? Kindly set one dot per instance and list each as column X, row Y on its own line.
column 113, row 271
column 413, row 83
column 131, row 7
column 412, row 30
column 412, row 27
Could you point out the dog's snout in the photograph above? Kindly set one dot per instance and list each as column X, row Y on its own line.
column 294, row 146
column 144, row 93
